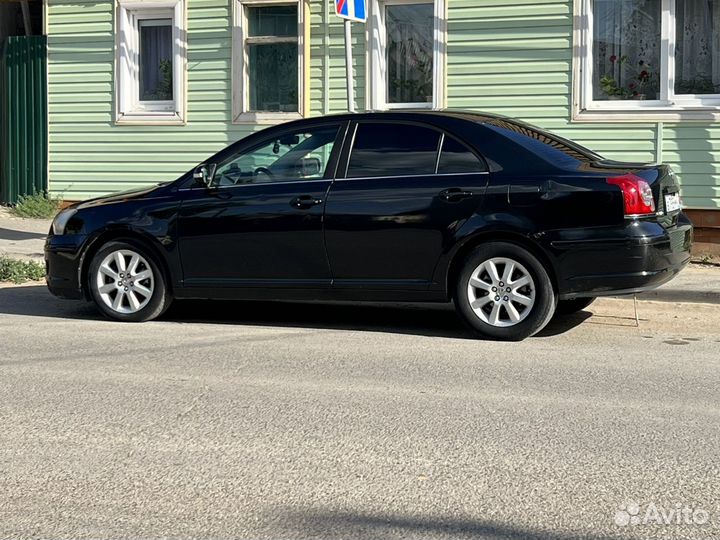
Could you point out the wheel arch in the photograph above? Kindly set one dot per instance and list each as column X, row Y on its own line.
column 470, row 243
column 120, row 234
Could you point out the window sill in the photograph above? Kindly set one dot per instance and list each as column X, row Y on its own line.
column 647, row 114
column 400, row 106
column 266, row 117
column 156, row 119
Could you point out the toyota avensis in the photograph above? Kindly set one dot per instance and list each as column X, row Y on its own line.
column 508, row 221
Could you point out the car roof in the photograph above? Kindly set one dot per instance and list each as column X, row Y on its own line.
column 417, row 114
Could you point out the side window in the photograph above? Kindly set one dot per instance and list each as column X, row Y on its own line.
column 386, row 149
column 300, row 155
column 455, row 157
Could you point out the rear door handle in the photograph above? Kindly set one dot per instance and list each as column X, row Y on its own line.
column 455, row 194
column 305, row 201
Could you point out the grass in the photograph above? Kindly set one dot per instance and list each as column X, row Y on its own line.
column 20, row 271
column 40, row 205
column 707, row 259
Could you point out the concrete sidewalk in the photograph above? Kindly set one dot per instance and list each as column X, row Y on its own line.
column 24, row 239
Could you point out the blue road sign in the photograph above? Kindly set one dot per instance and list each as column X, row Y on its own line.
column 352, row 10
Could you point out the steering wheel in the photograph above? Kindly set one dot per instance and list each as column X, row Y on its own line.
column 263, row 170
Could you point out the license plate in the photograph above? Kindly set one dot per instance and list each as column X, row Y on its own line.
column 672, row 202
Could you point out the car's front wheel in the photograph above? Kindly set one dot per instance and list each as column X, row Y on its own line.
column 504, row 292
column 126, row 283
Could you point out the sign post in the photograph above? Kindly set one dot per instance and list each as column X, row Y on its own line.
column 349, row 67
column 350, row 10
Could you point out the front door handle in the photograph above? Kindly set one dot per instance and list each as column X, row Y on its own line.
column 455, row 194
column 305, row 201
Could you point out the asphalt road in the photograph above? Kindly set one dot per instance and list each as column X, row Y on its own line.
column 243, row 420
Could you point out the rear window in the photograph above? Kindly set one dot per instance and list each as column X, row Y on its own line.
column 547, row 145
column 455, row 157
column 389, row 149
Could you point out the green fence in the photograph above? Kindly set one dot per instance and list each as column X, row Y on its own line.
column 23, row 117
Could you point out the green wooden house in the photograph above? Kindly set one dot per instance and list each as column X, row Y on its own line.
column 141, row 90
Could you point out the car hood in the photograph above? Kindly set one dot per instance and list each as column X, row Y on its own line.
column 123, row 196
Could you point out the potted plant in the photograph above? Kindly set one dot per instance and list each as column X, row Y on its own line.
column 643, row 80
column 611, row 89
column 639, row 85
column 609, row 85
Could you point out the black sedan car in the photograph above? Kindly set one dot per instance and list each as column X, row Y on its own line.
column 508, row 221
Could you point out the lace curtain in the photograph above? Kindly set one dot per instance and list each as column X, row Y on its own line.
column 697, row 51
column 626, row 49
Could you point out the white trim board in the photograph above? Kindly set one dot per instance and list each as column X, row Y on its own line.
column 668, row 108
column 241, row 113
column 128, row 108
column 376, row 71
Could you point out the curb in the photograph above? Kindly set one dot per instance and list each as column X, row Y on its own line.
column 37, row 257
column 680, row 295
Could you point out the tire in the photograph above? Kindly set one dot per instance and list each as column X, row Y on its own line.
column 141, row 286
column 568, row 307
column 519, row 312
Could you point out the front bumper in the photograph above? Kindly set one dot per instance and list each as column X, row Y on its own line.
column 63, row 258
column 640, row 256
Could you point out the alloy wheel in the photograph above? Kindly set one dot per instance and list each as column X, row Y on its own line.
column 125, row 281
column 501, row 292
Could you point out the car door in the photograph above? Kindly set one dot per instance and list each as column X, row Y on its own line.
column 260, row 222
column 405, row 191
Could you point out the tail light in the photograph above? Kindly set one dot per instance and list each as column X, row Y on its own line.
column 637, row 195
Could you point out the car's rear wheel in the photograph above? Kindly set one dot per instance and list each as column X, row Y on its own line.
column 504, row 292
column 126, row 282
column 568, row 307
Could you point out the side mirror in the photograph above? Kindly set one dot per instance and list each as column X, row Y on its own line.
column 205, row 173
column 310, row 166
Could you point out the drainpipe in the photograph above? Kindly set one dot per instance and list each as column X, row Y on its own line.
column 326, row 57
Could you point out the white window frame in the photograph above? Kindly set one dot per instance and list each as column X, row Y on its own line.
column 241, row 113
column 669, row 106
column 129, row 109
column 377, row 57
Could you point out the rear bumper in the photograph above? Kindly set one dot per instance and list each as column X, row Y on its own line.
column 62, row 265
column 640, row 256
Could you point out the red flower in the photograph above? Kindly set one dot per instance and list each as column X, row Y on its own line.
column 613, row 58
column 644, row 75
column 631, row 85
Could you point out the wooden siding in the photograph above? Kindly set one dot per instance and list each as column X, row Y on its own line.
column 507, row 56
column 89, row 155
column 327, row 61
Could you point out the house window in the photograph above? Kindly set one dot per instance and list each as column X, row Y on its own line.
column 407, row 55
column 653, row 58
column 150, row 63
column 268, row 61
column 155, row 61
